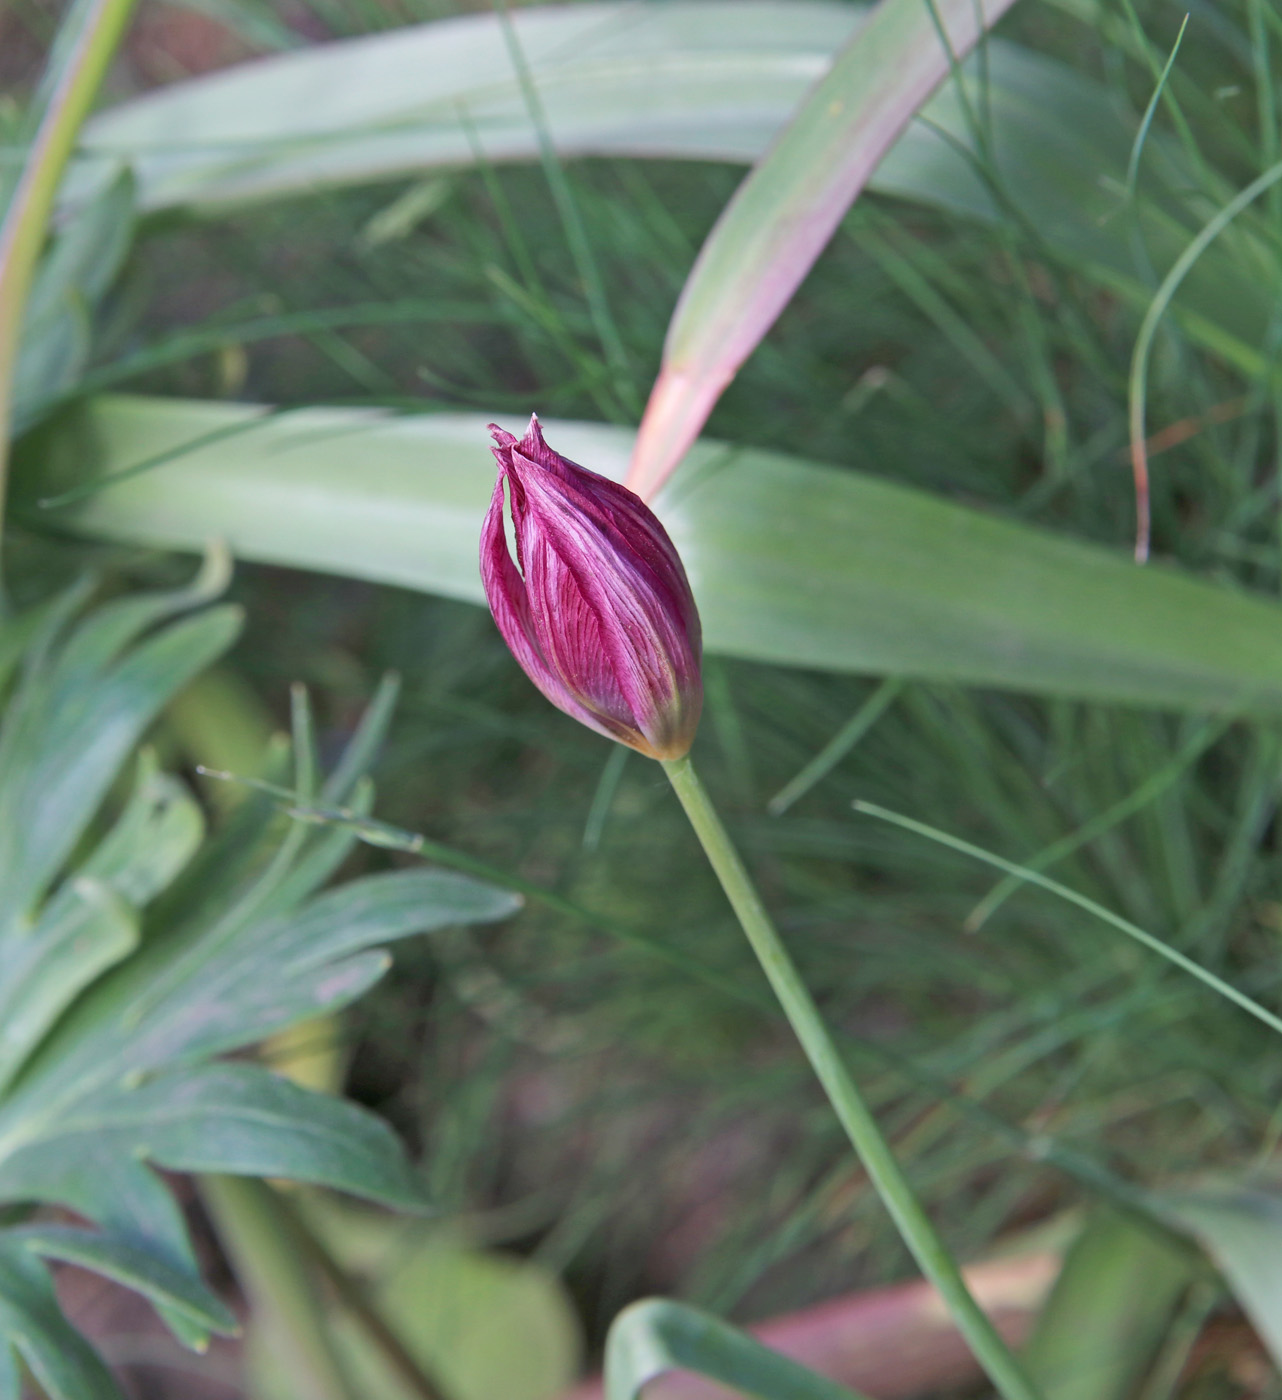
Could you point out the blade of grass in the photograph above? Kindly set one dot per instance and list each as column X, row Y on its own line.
column 1104, row 821
column 784, row 213
column 576, row 237
column 1032, row 877
column 869, row 577
column 837, row 747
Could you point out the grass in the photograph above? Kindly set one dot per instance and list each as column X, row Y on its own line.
column 589, row 1103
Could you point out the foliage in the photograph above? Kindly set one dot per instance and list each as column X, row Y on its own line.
column 134, row 954
column 968, row 332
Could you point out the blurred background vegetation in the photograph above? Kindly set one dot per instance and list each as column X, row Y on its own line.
column 577, row 1098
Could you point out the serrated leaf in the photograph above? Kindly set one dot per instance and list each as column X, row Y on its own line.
column 655, row 1336
column 138, row 1269
column 791, row 562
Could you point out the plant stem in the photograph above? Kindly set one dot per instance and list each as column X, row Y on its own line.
column 865, row 1136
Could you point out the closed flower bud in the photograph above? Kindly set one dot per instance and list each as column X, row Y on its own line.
column 596, row 606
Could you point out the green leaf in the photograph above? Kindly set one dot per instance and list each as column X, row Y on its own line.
column 70, row 280
column 32, row 1325
column 697, row 80
column 85, row 930
column 792, row 562
column 710, row 81
column 655, row 1336
column 71, row 726
column 782, row 216
column 125, row 1264
column 104, row 1057
column 485, row 1324
column 1241, row 1230
column 1108, row 1311
column 91, row 923
column 83, row 47
column 233, row 1118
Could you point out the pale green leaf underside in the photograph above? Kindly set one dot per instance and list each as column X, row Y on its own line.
column 689, row 81
column 655, row 1336
column 792, row 562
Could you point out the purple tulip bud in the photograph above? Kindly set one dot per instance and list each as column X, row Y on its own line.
column 596, row 607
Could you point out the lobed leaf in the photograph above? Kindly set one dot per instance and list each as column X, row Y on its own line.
column 121, row 976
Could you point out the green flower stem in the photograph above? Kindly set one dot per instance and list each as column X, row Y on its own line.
column 914, row 1225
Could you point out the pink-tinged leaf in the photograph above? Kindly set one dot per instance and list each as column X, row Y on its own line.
column 784, row 213
column 86, row 40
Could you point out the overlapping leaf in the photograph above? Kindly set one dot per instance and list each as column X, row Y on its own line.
column 791, row 562
column 701, row 80
column 655, row 1336
column 130, row 960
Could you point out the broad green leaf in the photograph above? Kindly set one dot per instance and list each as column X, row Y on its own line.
column 1109, row 1310
column 791, row 562
column 709, row 81
column 655, row 1336
column 32, row 1325
column 782, row 216
column 1241, row 1230
column 137, row 1269
column 701, row 80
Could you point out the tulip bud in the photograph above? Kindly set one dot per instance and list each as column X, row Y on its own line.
column 596, row 607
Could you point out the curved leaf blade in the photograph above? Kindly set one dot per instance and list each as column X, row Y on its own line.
column 782, row 216
column 792, row 562
column 655, row 1336
column 32, row 1324
column 135, row 1268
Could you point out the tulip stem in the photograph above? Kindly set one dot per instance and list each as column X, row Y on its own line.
column 915, row 1228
